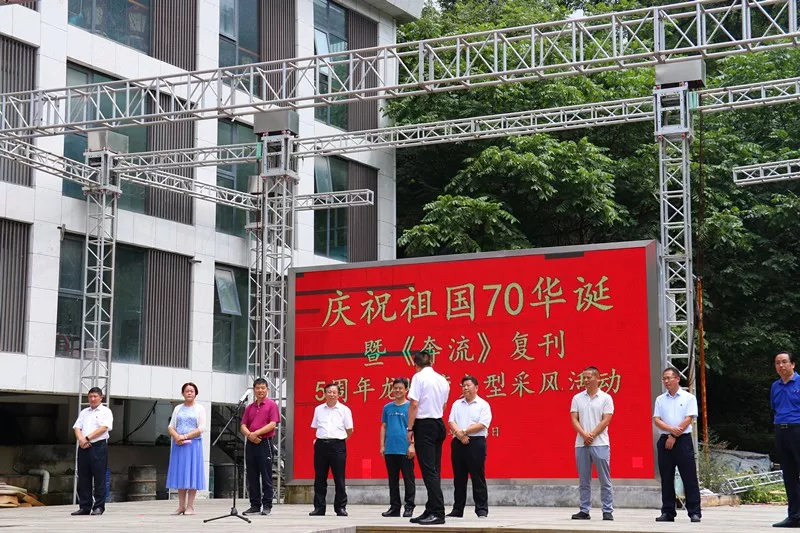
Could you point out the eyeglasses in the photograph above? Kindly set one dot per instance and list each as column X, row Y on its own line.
column 781, row 363
column 668, row 378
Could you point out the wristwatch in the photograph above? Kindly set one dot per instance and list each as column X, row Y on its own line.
column 409, row 429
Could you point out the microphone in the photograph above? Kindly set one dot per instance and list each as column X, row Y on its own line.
column 245, row 396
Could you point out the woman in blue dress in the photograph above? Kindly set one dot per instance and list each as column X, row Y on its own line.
column 186, row 470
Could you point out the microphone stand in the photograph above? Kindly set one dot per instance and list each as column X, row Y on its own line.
column 233, row 512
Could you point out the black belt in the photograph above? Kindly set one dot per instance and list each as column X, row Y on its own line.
column 665, row 435
column 472, row 438
column 100, row 442
column 330, row 440
column 786, row 426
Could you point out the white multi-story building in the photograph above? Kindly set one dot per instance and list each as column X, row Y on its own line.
column 175, row 256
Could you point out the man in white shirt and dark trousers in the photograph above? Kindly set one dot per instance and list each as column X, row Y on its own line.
column 591, row 413
column 673, row 415
column 428, row 396
column 91, row 431
column 469, row 421
column 334, row 424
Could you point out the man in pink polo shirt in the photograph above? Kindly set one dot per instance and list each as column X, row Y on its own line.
column 258, row 425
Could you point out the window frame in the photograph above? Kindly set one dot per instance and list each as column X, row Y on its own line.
column 93, row 26
column 325, row 114
column 333, row 217
column 219, row 274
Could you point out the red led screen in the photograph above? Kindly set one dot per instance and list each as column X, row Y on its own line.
column 524, row 325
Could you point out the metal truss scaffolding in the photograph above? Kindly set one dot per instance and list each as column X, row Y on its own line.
column 767, row 172
column 576, row 46
column 674, row 135
column 272, row 254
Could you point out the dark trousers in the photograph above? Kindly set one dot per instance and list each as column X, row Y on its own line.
column 429, row 434
column 469, row 460
column 258, row 459
column 396, row 463
column 787, row 443
column 92, row 466
column 682, row 456
column 329, row 455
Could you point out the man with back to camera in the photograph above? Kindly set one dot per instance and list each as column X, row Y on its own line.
column 785, row 401
column 91, row 430
column 591, row 413
column 333, row 422
column 673, row 415
column 397, row 451
column 469, row 421
column 258, row 426
column 428, row 396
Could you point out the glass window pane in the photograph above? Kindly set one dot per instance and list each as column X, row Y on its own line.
column 227, row 18
column 322, row 175
column 320, row 13
column 339, row 169
column 70, row 271
column 337, row 19
column 321, row 42
column 338, row 116
column 227, row 53
column 135, row 25
column 68, row 325
column 221, row 358
column 230, row 331
column 248, row 27
column 75, row 145
column 321, row 232
column 128, row 305
column 226, row 292
column 80, row 13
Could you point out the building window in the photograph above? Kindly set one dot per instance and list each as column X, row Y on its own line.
column 127, row 334
column 239, row 37
column 330, row 36
column 70, row 297
column 230, row 327
column 230, row 219
column 75, row 144
column 127, row 22
column 330, row 225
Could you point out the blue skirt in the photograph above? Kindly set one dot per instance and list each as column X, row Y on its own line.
column 186, row 469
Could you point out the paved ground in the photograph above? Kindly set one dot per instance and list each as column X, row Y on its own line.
column 154, row 517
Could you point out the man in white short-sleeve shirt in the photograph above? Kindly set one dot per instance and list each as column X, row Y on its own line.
column 591, row 413
column 333, row 422
column 673, row 414
column 428, row 395
column 469, row 421
column 91, row 431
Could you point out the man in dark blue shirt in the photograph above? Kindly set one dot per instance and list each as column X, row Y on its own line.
column 397, row 451
column 785, row 400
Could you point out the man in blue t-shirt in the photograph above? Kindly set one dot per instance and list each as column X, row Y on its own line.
column 785, row 401
column 396, row 450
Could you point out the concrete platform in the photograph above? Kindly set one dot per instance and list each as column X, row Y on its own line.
column 154, row 517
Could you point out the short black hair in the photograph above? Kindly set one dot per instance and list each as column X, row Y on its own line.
column 467, row 377
column 329, row 385
column 788, row 354
column 423, row 358
column 593, row 369
column 95, row 390
column 260, row 381
column 673, row 370
column 397, row 381
column 190, row 384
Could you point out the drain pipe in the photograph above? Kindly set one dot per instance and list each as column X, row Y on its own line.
column 45, row 478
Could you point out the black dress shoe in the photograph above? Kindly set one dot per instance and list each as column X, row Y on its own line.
column 581, row 515
column 694, row 518
column 317, row 512
column 607, row 516
column 665, row 518
column 482, row 515
column 416, row 519
column 252, row 510
column 431, row 520
column 98, row 511
column 455, row 514
column 786, row 522
column 341, row 512
column 81, row 512
column 408, row 513
column 391, row 512
column 266, row 511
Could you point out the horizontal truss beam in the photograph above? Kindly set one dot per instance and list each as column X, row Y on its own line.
column 86, row 176
column 576, row 46
column 767, row 172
